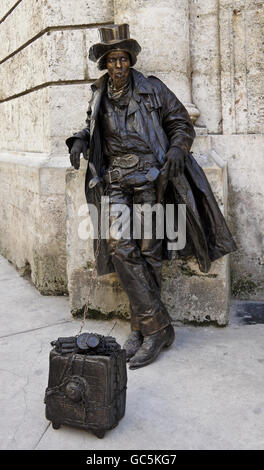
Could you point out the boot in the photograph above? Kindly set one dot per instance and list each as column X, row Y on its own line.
column 132, row 344
column 151, row 347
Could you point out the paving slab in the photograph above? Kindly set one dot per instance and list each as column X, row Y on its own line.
column 22, row 307
column 205, row 392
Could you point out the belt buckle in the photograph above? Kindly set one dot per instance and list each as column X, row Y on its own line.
column 117, row 178
column 131, row 160
column 126, row 161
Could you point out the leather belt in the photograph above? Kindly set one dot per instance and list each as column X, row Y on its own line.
column 111, row 176
column 126, row 164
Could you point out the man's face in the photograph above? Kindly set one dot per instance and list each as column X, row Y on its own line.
column 118, row 63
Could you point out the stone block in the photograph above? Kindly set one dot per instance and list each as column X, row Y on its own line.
column 62, row 12
column 162, row 30
column 26, row 21
column 57, row 56
column 68, row 107
column 32, row 210
column 25, row 123
column 91, row 37
column 189, row 294
column 40, row 121
column 192, row 296
column 6, row 6
column 31, row 18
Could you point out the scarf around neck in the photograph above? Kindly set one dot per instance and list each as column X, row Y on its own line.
column 116, row 95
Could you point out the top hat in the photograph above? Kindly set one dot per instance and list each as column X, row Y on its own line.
column 114, row 37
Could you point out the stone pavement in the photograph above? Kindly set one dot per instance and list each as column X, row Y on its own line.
column 205, row 392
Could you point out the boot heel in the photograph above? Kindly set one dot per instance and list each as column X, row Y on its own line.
column 169, row 343
column 170, row 339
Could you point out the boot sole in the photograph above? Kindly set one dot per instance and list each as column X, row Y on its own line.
column 170, row 341
column 129, row 356
column 150, row 360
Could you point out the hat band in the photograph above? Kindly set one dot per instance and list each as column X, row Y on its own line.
column 113, row 41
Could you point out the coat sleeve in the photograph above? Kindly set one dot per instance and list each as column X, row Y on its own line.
column 175, row 119
column 84, row 134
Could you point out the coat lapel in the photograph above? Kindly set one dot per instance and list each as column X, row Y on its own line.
column 98, row 89
column 145, row 105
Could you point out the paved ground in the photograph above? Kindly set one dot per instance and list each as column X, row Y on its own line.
column 205, row 392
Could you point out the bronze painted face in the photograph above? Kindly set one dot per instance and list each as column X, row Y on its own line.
column 118, row 63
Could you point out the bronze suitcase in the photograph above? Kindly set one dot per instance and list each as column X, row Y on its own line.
column 86, row 391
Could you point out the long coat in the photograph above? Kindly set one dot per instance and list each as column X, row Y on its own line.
column 162, row 121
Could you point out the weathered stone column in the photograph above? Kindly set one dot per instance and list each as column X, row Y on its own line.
column 206, row 63
column 162, row 30
column 241, row 25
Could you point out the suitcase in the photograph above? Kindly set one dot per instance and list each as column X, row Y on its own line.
column 86, row 391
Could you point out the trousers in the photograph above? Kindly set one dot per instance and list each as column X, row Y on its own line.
column 137, row 259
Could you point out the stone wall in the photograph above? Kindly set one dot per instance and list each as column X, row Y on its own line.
column 227, row 57
column 241, row 34
column 44, row 93
column 209, row 52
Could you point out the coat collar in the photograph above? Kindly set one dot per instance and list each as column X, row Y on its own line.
column 141, row 84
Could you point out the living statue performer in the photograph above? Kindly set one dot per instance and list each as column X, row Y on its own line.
column 139, row 137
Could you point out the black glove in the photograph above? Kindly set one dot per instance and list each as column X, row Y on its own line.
column 174, row 162
column 76, row 150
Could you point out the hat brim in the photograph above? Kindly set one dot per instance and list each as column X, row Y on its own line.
column 100, row 50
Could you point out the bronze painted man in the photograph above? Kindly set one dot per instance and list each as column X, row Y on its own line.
column 139, row 137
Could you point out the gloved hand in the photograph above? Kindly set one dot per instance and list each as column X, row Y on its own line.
column 76, row 150
column 174, row 163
